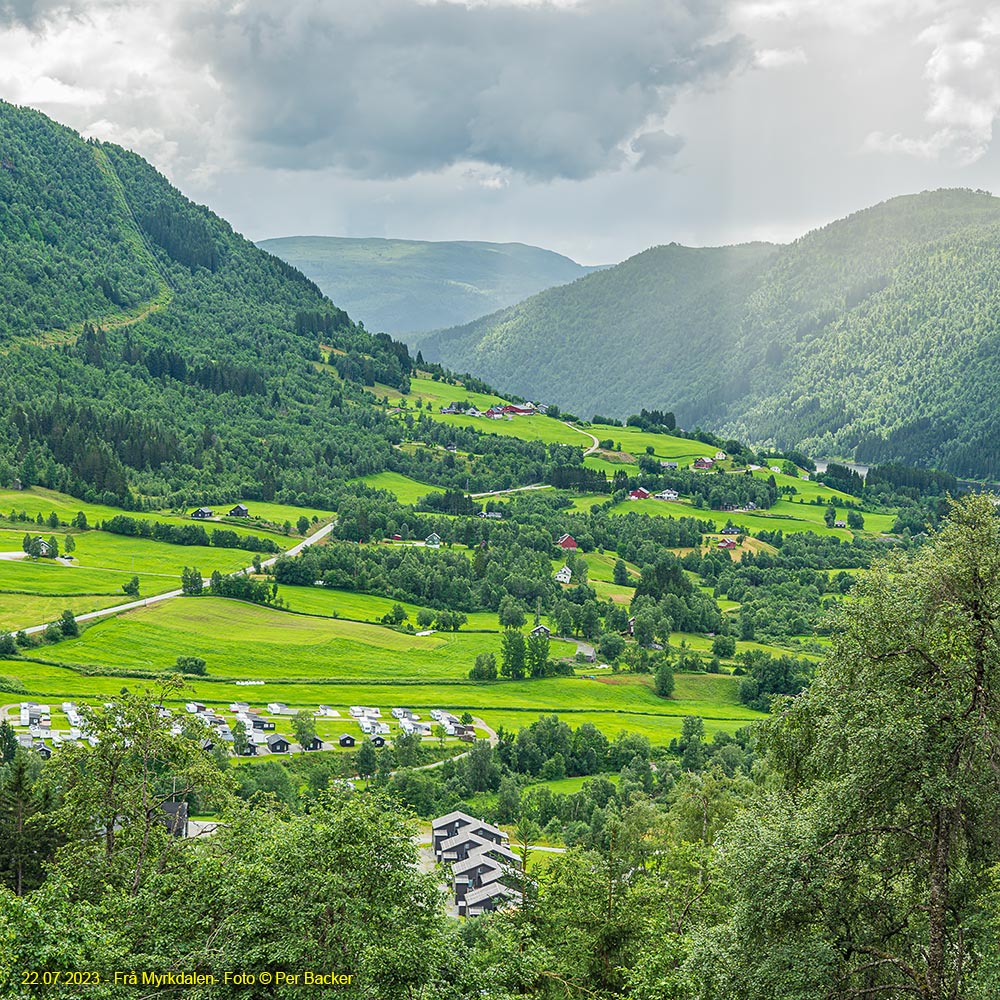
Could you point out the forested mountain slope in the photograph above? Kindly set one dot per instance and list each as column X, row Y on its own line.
column 152, row 356
column 875, row 337
column 405, row 286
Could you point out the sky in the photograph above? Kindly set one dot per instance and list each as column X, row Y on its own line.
column 596, row 128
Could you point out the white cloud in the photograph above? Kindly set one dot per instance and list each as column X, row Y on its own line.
column 963, row 90
column 779, row 58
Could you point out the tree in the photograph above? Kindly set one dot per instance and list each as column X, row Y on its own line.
column 28, row 831
column 191, row 582
column 440, row 732
column 8, row 645
column 302, row 525
column 830, row 515
column 80, row 521
column 131, row 587
column 367, row 763
column 53, row 552
column 407, row 746
column 68, row 625
column 512, row 655
column 425, row 618
column 304, row 727
column 69, row 545
column 485, row 668
column 395, row 616
column 611, row 646
column 511, row 614
column 885, row 777
column 644, row 628
column 663, row 680
column 241, row 739
column 723, row 646
column 191, row 665
column 620, row 574
column 8, row 742
column 855, row 520
column 537, row 654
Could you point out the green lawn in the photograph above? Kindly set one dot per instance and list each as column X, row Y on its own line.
column 405, row 489
column 567, row 786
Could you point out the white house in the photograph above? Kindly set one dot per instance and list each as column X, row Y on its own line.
column 564, row 575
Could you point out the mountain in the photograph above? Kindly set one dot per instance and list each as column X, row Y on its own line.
column 408, row 286
column 876, row 337
column 154, row 357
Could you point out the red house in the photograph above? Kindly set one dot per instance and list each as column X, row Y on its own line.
column 703, row 463
column 639, row 494
column 727, row 543
column 566, row 542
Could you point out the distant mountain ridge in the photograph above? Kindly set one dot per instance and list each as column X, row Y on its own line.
column 409, row 286
column 876, row 337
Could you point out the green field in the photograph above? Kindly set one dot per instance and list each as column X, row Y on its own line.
column 366, row 607
column 245, row 641
column 612, row 704
column 424, row 390
column 405, row 489
column 24, row 610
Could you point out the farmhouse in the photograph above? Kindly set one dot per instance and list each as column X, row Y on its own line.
column 667, row 495
column 730, row 529
column 639, row 494
column 433, row 540
column 346, row 740
column 669, row 465
column 563, row 575
column 541, row 630
column 840, row 524
column 727, row 543
column 703, row 463
column 202, row 513
column 277, row 743
column 566, row 542
column 240, row 510
column 720, row 456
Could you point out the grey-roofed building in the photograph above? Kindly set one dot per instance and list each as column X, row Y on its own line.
column 487, row 898
column 446, row 827
column 277, row 743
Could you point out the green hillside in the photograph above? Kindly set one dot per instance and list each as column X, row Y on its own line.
column 154, row 358
column 873, row 338
column 406, row 286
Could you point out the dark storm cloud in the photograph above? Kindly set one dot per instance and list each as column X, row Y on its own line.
column 391, row 88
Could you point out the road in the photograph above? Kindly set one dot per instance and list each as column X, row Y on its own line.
column 157, row 598
column 596, row 444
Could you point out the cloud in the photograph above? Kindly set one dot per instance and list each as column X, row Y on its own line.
column 392, row 88
column 778, row 58
column 963, row 81
column 656, row 147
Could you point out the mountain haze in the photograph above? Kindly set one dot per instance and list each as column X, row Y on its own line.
column 876, row 337
column 408, row 286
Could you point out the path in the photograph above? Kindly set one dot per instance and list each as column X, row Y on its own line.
column 596, row 444
column 515, row 489
column 146, row 601
column 490, row 735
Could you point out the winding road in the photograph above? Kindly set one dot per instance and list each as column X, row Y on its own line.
column 594, row 446
column 156, row 598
